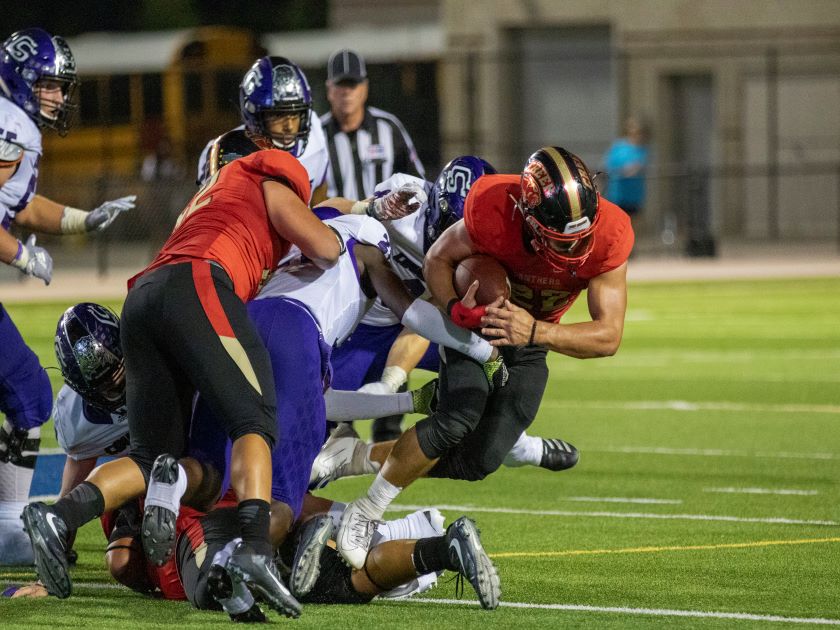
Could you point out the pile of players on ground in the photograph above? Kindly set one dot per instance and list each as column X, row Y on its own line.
column 264, row 325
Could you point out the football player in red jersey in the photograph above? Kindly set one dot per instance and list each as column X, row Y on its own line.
column 185, row 329
column 555, row 236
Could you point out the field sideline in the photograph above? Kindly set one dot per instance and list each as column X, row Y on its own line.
column 706, row 496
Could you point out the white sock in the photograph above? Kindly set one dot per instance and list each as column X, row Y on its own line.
column 412, row 527
column 168, row 495
column 526, row 452
column 380, row 495
column 344, row 406
column 336, row 510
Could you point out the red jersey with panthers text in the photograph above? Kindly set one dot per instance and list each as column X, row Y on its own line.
column 227, row 221
column 497, row 228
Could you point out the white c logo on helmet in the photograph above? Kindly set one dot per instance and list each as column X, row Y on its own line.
column 23, row 48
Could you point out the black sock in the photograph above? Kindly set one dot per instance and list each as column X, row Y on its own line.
column 432, row 555
column 82, row 504
column 254, row 520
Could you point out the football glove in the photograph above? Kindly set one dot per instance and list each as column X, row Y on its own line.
column 104, row 215
column 398, row 203
column 496, row 372
column 33, row 260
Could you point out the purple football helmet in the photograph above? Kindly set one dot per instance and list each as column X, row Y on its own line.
column 87, row 346
column 33, row 55
column 449, row 192
column 274, row 86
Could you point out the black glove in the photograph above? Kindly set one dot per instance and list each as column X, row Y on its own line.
column 13, row 443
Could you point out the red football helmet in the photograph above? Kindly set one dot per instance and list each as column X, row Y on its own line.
column 560, row 204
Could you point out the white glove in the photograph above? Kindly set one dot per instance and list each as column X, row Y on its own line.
column 393, row 376
column 104, row 215
column 379, row 388
column 398, row 203
column 33, row 260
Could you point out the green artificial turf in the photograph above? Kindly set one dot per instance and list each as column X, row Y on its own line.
column 708, row 481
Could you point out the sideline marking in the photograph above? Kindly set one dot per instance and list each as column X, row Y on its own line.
column 784, row 491
column 592, row 552
column 674, row 517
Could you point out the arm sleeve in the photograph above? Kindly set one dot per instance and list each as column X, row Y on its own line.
column 428, row 321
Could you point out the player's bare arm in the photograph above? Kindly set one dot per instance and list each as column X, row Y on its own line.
column 384, row 282
column 41, row 214
column 295, row 222
column 443, row 257
column 75, row 472
column 601, row 337
column 407, row 350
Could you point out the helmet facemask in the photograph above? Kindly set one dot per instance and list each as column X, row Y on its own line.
column 559, row 203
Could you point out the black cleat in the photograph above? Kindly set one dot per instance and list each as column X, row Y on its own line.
column 220, row 587
column 466, row 552
column 158, row 528
column 48, row 534
column 307, row 563
column 260, row 575
column 558, row 455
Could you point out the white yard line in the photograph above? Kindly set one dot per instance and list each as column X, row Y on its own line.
column 711, row 452
column 687, row 405
column 640, row 500
column 600, row 514
column 656, row 612
column 782, row 491
column 619, row 610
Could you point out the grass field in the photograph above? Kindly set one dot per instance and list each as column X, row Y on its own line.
column 706, row 495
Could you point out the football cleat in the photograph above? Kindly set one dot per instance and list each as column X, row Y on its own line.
column 307, row 563
column 466, row 552
column 259, row 574
column 158, row 528
column 342, row 455
column 234, row 598
column 48, row 535
column 425, row 399
column 558, row 455
column 355, row 533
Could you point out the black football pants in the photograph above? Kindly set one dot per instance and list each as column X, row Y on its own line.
column 183, row 329
column 473, row 429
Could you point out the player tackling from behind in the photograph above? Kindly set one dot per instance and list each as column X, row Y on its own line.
column 184, row 329
column 555, row 236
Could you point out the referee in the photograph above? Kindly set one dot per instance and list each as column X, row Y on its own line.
column 366, row 145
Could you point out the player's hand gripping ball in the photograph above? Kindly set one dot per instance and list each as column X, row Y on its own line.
column 492, row 279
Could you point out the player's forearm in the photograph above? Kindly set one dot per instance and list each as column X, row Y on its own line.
column 342, row 204
column 585, row 340
column 42, row 215
column 438, row 272
column 407, row 350
column 9, row 246
column 425, row 319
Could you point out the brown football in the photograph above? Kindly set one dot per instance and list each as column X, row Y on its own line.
column 492, row 278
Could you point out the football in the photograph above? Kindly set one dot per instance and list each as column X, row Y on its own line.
column 492, row 278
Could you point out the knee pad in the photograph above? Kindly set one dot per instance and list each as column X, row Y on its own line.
column 442, row 431
column 15, row 548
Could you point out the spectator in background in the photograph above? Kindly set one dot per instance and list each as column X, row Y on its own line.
column 366, row 145
column 626, row 162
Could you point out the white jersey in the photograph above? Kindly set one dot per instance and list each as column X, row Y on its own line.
column 315, row 158
column 407, row 236
column 334, row 297
column 17, row 128
column 84, row 431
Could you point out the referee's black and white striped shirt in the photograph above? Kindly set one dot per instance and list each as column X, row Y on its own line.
column 361, row 159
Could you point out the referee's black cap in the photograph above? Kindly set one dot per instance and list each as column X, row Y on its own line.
column 346, row 65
